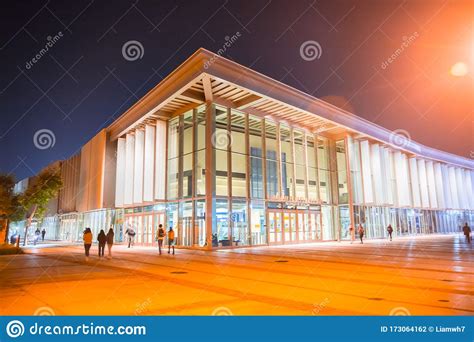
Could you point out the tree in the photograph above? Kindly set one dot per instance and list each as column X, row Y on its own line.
column 41, row 189
column 10, row 208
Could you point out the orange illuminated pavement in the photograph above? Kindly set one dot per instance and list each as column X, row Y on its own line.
column 419, row 276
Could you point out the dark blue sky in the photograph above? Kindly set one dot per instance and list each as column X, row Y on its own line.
column 82, row 83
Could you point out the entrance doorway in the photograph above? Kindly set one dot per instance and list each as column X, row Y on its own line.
column 145, row 226
column 294, row 226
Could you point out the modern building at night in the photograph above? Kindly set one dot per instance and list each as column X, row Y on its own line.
column 230, row 157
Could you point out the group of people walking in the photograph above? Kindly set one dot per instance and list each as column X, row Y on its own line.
column 108, row 239
column 102, row 239
column 466, row 231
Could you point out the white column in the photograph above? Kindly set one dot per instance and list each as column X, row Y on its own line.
column 454, row 188
column 120, row 173
column 366, row 172
column 129, row 165
column 439, row 186
column 149, row 164
column 138, row 167
column 415, row 184
column 425, row 199
column 462, row 191
column 379, row 192
column 448, row 201
column 431, row 184
column 160, row 159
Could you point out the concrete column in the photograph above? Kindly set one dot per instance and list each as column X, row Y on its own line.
column 210, row 173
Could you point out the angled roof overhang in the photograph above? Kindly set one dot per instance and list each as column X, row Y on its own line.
column 207, row 77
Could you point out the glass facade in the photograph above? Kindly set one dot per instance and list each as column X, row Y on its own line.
column 237, row 179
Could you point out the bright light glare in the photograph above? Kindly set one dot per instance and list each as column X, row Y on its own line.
column 459, row 69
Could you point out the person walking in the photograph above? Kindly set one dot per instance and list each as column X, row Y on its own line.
column 352, row 233
column 37, row 235
column 87, row 237
column 130, row 232
column 43, row 233
column 110, row 242
column 101, row 239
column 390, row 231
column 160, row 236
column 170, row 240
column 467, row 232
column 361, row 232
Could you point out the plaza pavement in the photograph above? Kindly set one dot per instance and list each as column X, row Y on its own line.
column 430, row 275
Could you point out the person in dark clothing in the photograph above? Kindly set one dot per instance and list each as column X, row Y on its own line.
column 160, row 236
column 130, row 232
column 361, row 232
column 102, row 239
column 110, row 242
column 390, row 231
column 467, row 232
column 37, row 235
column 43, row 233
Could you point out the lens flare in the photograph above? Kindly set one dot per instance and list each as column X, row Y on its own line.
column 459, row 69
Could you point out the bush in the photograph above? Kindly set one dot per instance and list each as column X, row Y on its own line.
column 6, row 249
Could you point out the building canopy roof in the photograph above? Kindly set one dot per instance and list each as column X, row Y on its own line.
column 207, row 77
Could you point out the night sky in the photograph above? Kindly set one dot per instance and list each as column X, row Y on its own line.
column 83, row 82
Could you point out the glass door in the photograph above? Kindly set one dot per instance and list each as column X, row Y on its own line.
column 274, row 218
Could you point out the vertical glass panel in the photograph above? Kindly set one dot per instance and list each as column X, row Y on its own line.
column 200, row 173
column 323, row 154
column 287, row 179
column 239, row 220
column 188, row 132
column 258, row 228
column 172, row 218
column 186, row 226
column 256, row 174
column 312, row 184
column 272, row 178
column 173, row 138
column 300, row 157
column 238, row 132
column 221, row 139
column 200, row 223
column 341, row 172
column 311, row 152
column 300, row 182
column 201, row 128
column 327, row 221
column 286, row 149
column 221, row 238
column 187, row 175
column 221, row 173
column 239, row 175
column 324, row 186
column 255, row 135
column 173, row 178
column 270, row 140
